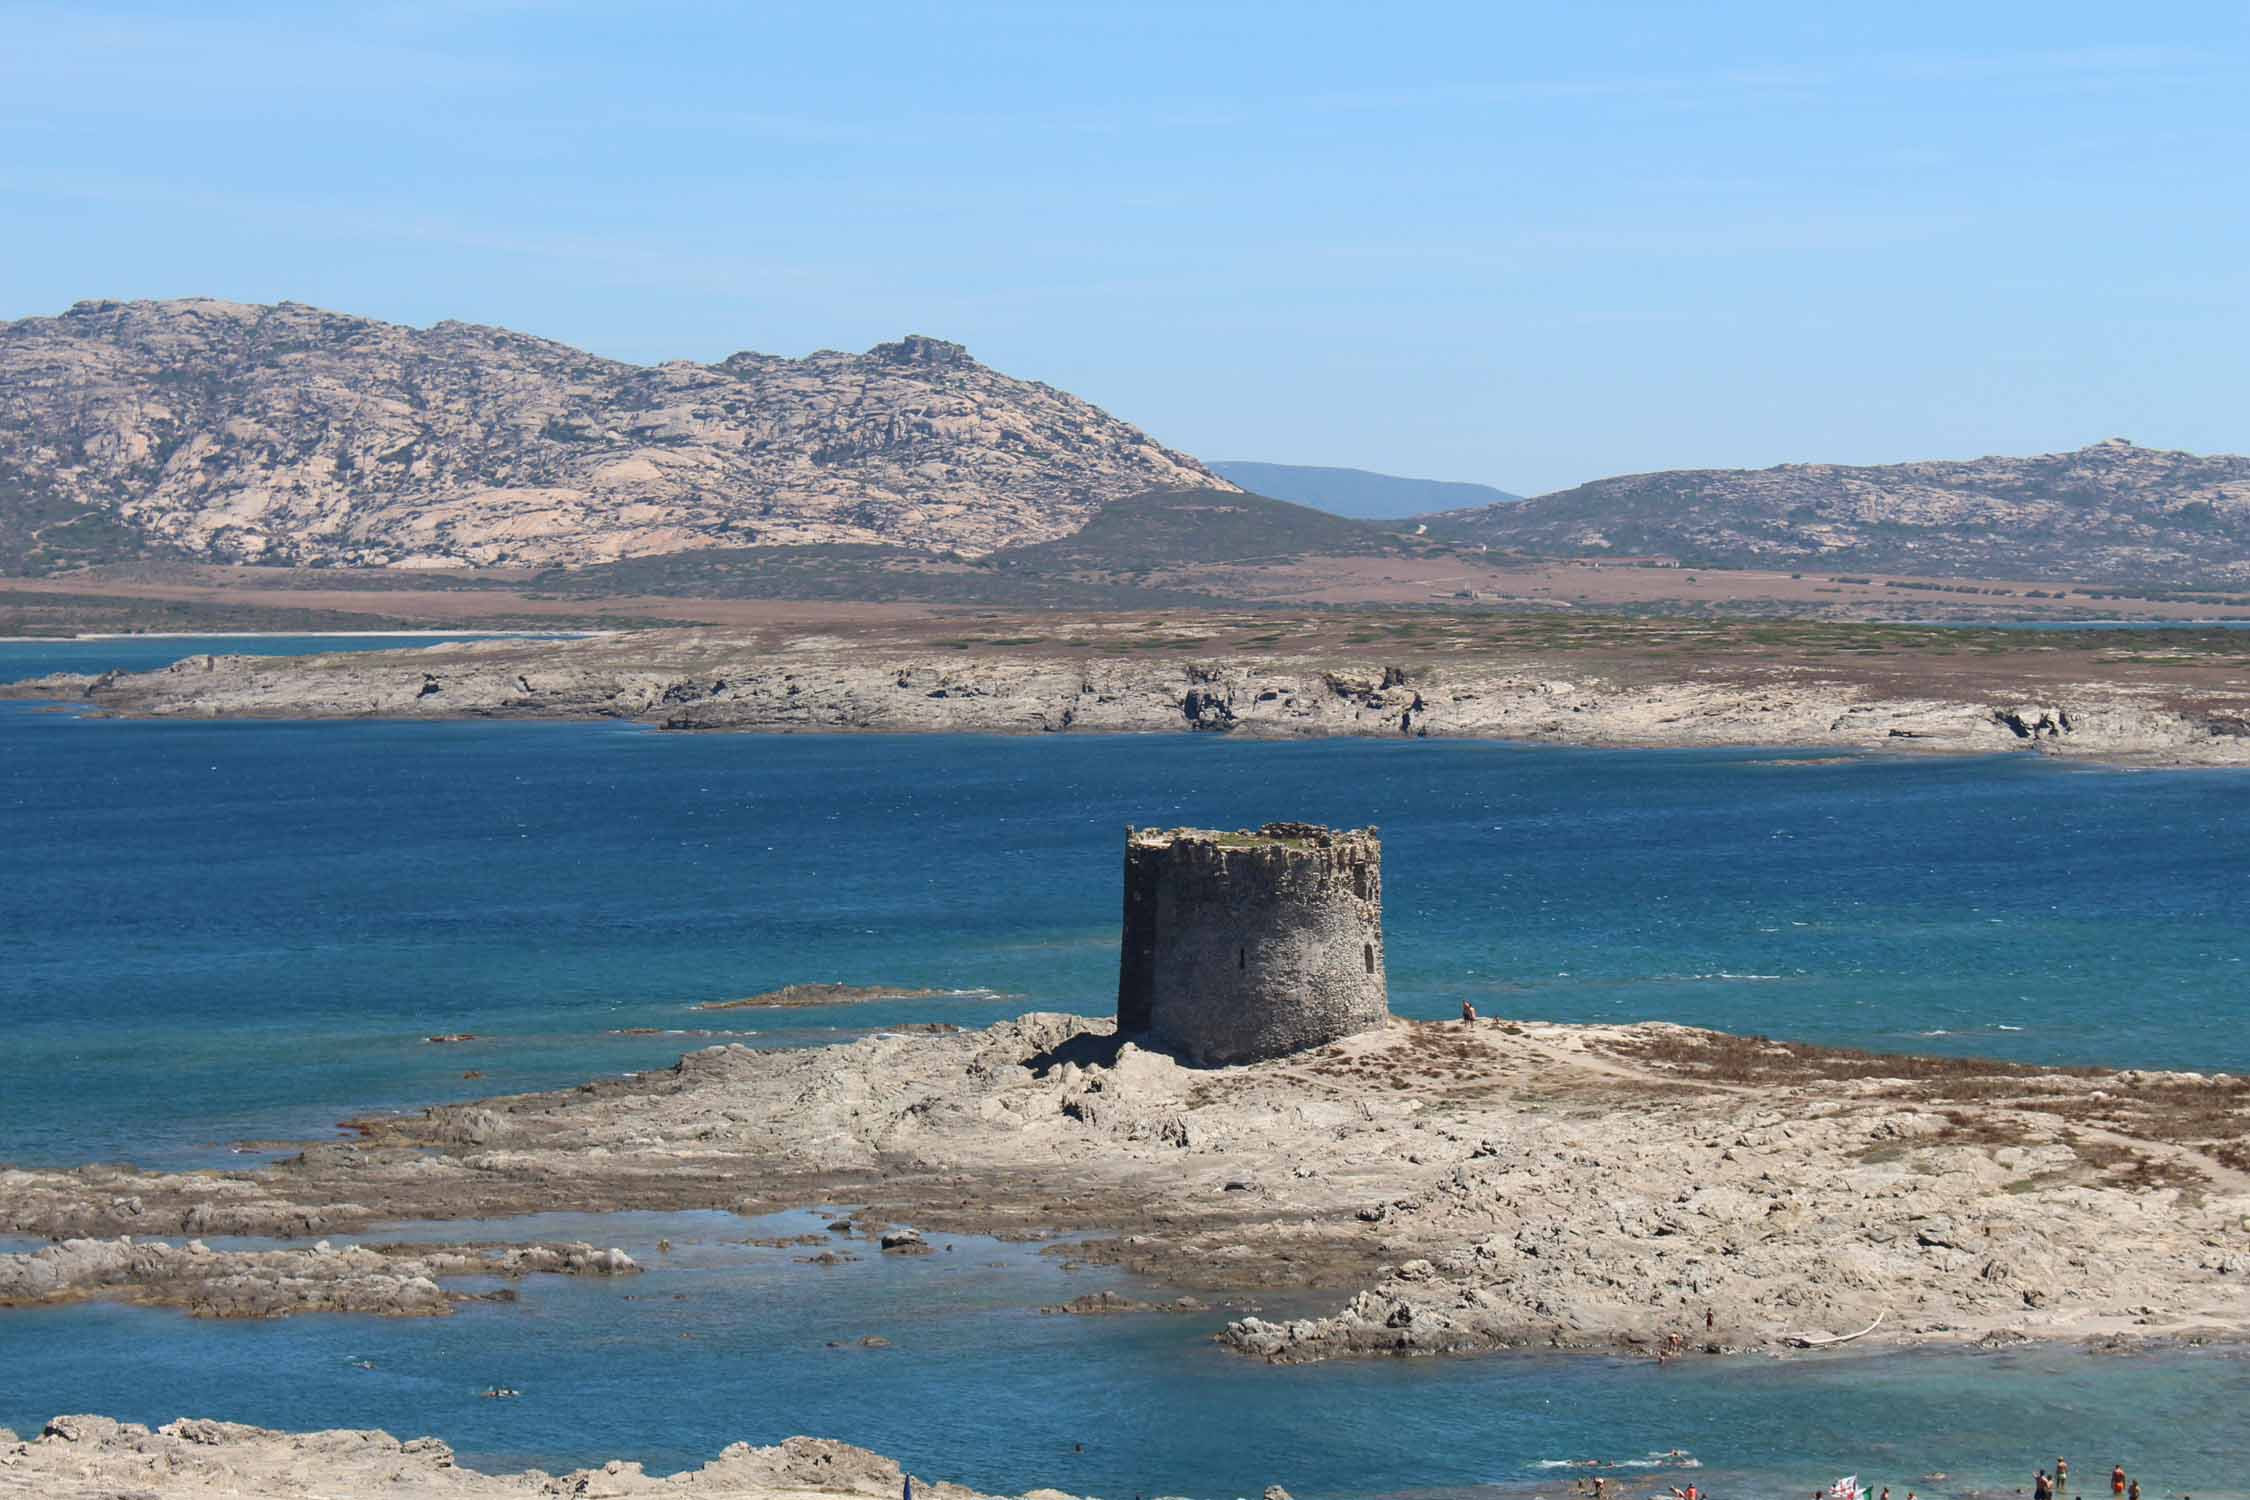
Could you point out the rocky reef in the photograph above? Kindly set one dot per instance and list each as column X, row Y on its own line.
column 399, row 1281
column 1456, row 1187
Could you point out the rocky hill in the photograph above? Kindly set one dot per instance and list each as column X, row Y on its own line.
column 1160, row 549
column 2112, row 512
column 240, row 433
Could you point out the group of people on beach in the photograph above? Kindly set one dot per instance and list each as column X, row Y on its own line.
column 2046, row 1486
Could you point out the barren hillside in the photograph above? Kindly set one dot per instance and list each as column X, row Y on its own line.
column 2111, row 513
column 239, row 433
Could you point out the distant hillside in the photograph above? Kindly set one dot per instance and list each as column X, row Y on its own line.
column 239, row 433
column 1358, row 492
column 1164, row 528
column 2111, row 513
column 1137, row 552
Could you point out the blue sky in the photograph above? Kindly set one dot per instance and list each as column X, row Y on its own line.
column 1523, row 245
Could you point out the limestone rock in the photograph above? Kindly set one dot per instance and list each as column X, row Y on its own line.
column 390, row 1280
column 96, row 1458
column 817, row 683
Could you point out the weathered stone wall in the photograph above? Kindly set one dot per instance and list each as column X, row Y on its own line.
column 1241, row 946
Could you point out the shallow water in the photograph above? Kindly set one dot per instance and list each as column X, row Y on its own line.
column 229, row 931
column 20, row 659
column 719, row 1342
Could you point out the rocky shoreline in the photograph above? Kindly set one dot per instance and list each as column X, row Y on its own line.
column 398, row 1281
column 98, row 1458
column 1458, row 1188
column 713, row 680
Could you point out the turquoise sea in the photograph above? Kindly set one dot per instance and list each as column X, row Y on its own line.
column 220, row 933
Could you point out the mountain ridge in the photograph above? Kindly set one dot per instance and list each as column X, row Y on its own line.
column 2109, row 512
column 282, row 433
column 248, row 432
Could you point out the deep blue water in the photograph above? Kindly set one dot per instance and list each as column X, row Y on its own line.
column 219, row 931
column 225, row 931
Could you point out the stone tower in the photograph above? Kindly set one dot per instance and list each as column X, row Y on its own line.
column 1241, row 946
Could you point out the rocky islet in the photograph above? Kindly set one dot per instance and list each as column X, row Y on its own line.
column 387, row 1280
column 823, row 683
column 1501, row 1185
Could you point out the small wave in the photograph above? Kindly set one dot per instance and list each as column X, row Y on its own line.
column 1653, row 1461
column 1941, row 1031
column 704, row 1031
column 1998, row 1027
